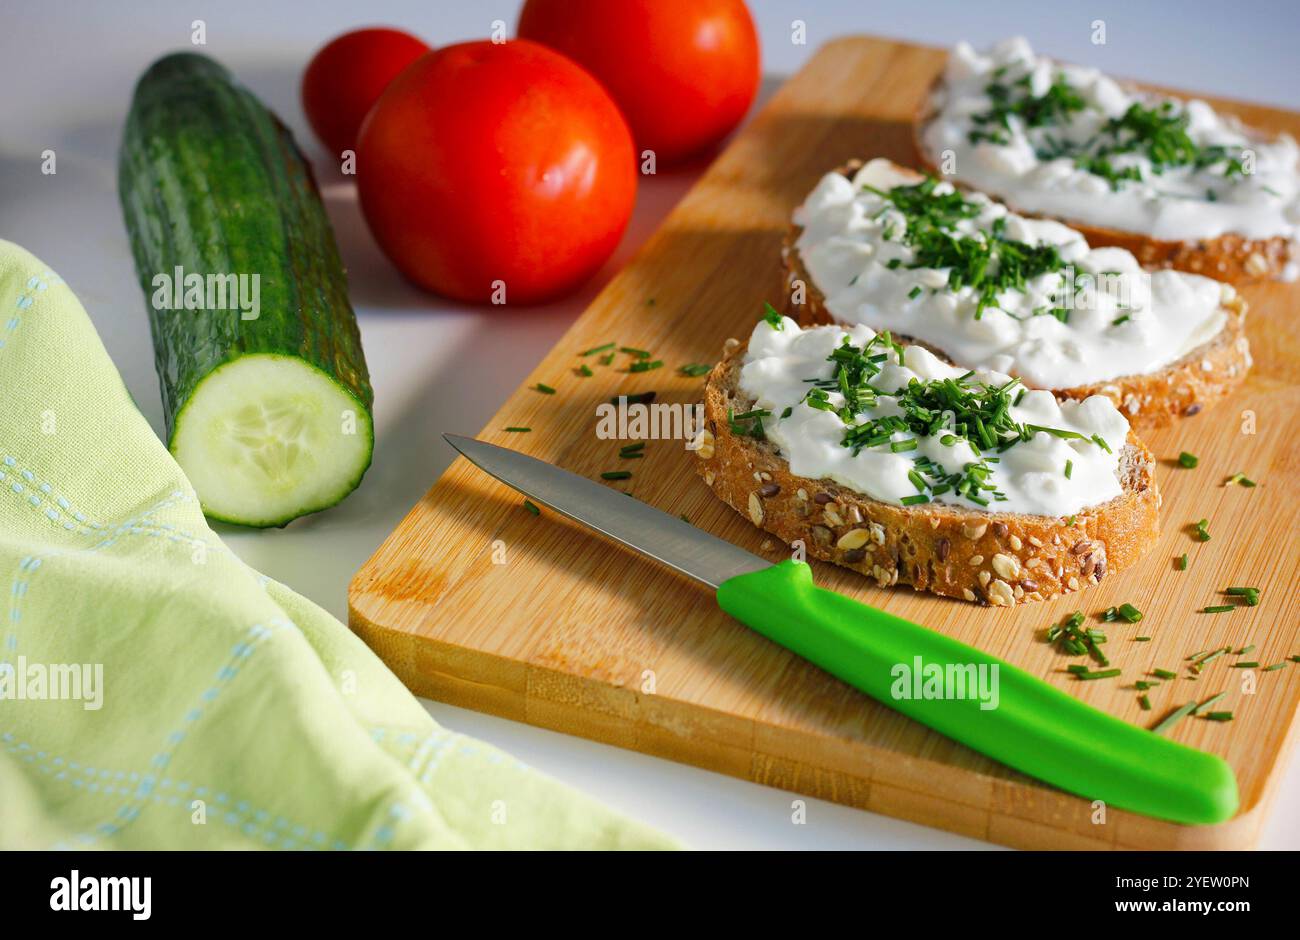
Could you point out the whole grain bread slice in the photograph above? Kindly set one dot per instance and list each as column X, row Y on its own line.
column 999, row 559
column 1183, row 388
column 1229, row 257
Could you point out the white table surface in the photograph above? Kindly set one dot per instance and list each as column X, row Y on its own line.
column 66, row 73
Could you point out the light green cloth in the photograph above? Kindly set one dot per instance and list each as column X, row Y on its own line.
column 234, row 713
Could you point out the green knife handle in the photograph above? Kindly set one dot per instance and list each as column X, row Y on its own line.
column 1035, row 727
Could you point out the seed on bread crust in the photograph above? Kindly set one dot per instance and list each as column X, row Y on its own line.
column 854, row 538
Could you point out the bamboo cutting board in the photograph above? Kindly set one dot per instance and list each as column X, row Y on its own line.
column 474, row 601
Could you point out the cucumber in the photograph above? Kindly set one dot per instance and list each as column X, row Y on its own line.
column 268, row 415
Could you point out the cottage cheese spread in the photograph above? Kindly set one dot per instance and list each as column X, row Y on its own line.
column 1048, row 474
column 1059, row 156
column 1097, row 316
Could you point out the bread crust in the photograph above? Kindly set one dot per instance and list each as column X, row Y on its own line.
column 1150, row 400
column 1228, row 257
column 991, row 558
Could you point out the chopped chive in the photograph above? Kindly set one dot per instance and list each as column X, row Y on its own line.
column 914, row 293
column 616, row 474
column 544, row 389
column 1250, row 665
column 914, row 500
column 606, row 359
column 640, row 398
column 584, row 370
column 916, row 479
column 597, row 349
column 684, row 519
column 1217, row 609
column 1219, row 716
column 1069, row 468
column 1119, row 320
column 1174, row 717
column 899, row 446
column 632, row 451
column 1240, row 479
column 1182, row 562
column 1130, row 613
column 1295, row 659
column 1110, row 614
column 532, row 507
column 1145, row 703
column 1203, row 530
column 1103, row 674
column 1141, row 639
column 1142, row 685
column 1188, row 460
column 633, row 351
column 1204, row 659
column 1208, row 702
column 1244, row 650
column 517, row 430
column 642, row 365
column 773, row 317
column 1076, row 668
column 695, row 369
column 1273, row 667
column 1164, row 674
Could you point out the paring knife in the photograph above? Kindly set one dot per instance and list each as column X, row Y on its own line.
column 1035, row 727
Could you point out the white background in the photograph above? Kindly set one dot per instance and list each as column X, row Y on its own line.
column 67, row 68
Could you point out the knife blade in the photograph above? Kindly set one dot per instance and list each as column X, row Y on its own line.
column 1026, row 723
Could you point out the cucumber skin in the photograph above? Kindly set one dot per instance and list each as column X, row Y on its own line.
column 211, row 181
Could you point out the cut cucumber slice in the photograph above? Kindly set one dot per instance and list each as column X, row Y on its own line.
column 267, row 438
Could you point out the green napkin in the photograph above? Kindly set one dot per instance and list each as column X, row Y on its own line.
column 159, row 693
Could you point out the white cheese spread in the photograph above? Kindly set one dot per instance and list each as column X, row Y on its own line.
column 1067, row 141
column 1054, row 472
column 1087, row 315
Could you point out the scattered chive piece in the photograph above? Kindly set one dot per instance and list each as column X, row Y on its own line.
column 633, row 351
column 606, row 359
column 1295, row 659
column 1188, row 460
column 1204, row 659
column 532, row 507
column 1145, row 703
column 1217, row 609
column 597, row 349
column 898, row 447
column 1219, row 716
column 1250, row 665
column 1240, row 479
column 1273, row 667
column 1141, row 639
column 1208, row 702
column 914, row 500
column 1076, row 667
column 616, row 474
column 1069, row 468
column 1203, row 530
column 517, row 430
column 641, row 365
column 1174, row 717
column 1130, row 613
column 914, row 293
column 1244, row 650
column 544, row 389
column 1182, row 562
column 632, row 450
column 695, row 369
column 1164, row 674
column 1142, row 685
column 1250, row 594
column 584, row 370
column 684, row 519
column 640, row 398
column 773, row 317
column 1103, row 674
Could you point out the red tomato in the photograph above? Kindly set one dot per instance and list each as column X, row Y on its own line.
column 344, row 79
column 496, row 162
column 683, row 71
